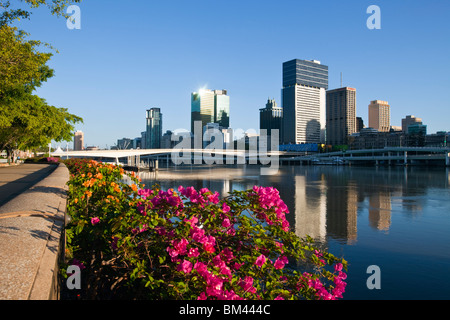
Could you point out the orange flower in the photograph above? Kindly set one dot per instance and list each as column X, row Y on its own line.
column 88, row 193
column 76, row 200
column 134, row 187
column 99, row 176
column 89, row 183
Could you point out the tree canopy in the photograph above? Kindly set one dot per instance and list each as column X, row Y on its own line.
column 56, row 7
column 26, row 120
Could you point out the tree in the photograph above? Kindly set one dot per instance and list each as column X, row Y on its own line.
column 57, row 7
column 33, row 123
column 26, row 120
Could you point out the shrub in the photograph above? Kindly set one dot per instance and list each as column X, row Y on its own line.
column 139, row 243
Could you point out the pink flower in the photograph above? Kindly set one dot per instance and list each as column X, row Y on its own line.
column 204, row 190
column 193, row 221
column 202, row 296
column 180, row 246
column 193, row 252
column 197, row 234
column 144, row 193
column 226, row 223
column 280, row 262
column 237, row 266
column 225, row 207
column 208, row 243
column 279, row 298
column 338, row 267
column 214, row 198
column 189, row 192
column 227, row 254
column 260, row 260
column 201, row 268
column 214, row 285
column 247, row 284
column 185, row 266
column 95, row 220
column 172, row 252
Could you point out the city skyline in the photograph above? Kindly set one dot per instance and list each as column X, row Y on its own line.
column 124, row 61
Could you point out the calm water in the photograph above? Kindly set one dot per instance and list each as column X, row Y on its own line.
column 396, row 218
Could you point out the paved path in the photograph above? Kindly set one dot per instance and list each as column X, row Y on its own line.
column 32, row 213
column 16, row 179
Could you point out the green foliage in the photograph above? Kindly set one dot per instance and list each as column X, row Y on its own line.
column 9, row 15
column 137, row 243
column 26, row 120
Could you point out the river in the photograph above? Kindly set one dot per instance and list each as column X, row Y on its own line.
column 395, row 218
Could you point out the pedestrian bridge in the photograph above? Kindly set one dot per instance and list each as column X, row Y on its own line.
column 384, row 156
column 137, row 157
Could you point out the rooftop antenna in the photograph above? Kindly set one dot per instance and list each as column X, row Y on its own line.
column 341, row 79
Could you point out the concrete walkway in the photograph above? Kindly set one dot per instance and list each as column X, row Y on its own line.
column 32, row 213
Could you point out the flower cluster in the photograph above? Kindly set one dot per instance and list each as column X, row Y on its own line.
column 269, row 200
column 52, row 159
column 186, row 243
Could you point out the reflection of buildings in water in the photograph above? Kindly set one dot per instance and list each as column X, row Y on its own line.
column 310, row 209
column 380, row 210
column 319, row 207
column 342, row 209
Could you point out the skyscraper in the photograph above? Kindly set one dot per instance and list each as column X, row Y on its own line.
column 380, row 115
column 78, row 141
column 303, row 94
column 210, row 106
column 271, row 118
column 340, row 115
column 153, row 129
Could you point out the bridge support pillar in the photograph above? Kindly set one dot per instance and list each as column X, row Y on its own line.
column 447, row 159
column 405, row 158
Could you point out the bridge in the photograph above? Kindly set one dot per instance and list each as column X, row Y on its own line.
column 150, row 158
column 383, row 156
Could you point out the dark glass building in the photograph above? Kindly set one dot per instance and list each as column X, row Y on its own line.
column 210, row 106
column 306, row 73
column 271, row 117
column 154, row 129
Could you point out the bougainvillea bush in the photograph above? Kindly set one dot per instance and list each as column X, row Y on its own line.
column 138, row 242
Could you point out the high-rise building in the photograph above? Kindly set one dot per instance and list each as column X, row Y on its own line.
column 340, row 115
column 303, row 94
column 271, row 117
column 359, row 124
column 409, row 120
column 210, row 106
column 380, row 115
column 78, row 141
column 124, row 144
column 153, row 129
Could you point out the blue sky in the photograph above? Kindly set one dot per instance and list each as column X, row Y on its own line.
column 130, row 56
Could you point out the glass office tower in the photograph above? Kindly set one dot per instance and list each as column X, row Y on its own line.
column 303, row 98
column 271, row 117
column 210, row 106
column 154, row 129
